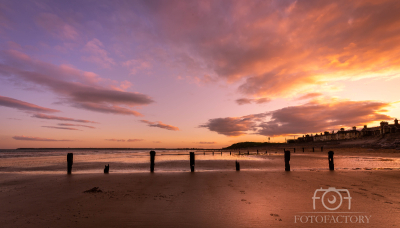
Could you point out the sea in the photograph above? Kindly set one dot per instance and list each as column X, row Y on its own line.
column 54, row 161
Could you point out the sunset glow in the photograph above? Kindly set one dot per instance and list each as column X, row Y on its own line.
column 193, row 74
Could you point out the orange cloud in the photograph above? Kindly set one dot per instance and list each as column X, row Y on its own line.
column 281, row 48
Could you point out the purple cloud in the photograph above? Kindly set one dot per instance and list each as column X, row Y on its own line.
column 243, row 101
column 49, row 117
column 75, row 125
column 22, row 105
column 27, row 138
column 160, row 125
column 82, row 91
column 62, row 128
column 314, row 116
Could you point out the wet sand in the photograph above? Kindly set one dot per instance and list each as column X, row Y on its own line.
column 37, row 192
column 202, row 199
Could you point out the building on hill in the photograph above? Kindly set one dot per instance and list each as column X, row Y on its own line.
column 342, row 134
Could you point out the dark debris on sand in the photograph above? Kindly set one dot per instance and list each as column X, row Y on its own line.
column 93, row 190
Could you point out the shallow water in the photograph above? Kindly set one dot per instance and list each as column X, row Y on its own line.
column 130, row 161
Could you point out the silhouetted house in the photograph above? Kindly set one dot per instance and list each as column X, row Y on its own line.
column 370, row 131
column 390, row 128
column 384, row 128
column 349, row 134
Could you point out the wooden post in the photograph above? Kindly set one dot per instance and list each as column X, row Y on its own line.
column 248, row 152
column 107, row 169
column 330, row 158
column 287, row 159
column 152, row 156
column 294, row 150
column 257, row 152
column 322, row 148
column 303, row 149
column 70, row 160
column 313, row 149
column 237, row 166
column 192, row 161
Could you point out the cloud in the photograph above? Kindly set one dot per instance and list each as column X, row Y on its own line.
column 309, row 95
column 106, row 109
column 49, row 117
column 206, row 142
column 319, row 116
column 22, row 105
column 230, row 126
column 27, row 138
column 156, row 141
column 97, row 53
column 75, row 125
column 56, row 26
column 243, row 101
column 62, row 128
column 123, row 140
column 279, row 48
column 136, row 65
column 135, row 140
column 314, row 116
column 160, row 125
column 78, row 88
column 116, row 140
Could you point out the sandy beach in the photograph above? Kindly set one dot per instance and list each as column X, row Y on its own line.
column 206, row 198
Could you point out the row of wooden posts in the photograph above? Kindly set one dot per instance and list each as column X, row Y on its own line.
column 70, row 158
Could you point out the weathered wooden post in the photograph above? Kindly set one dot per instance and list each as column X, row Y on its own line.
column 107, row 169
column 313, row 149
column 294, row 150
column 287, row 159
column 322, row 148
column 248, row 152
column 330, row 158
column 257, row 152
column 237, row 166
column 70, row 160
column 152, row 156
column 192, row 161
column 303, row 149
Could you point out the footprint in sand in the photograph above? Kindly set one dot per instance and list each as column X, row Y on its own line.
column 377, row 195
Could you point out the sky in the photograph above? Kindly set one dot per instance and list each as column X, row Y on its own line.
column 193, row 74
